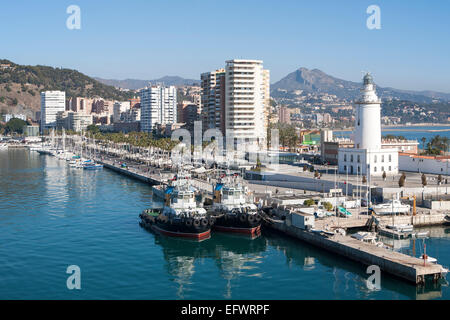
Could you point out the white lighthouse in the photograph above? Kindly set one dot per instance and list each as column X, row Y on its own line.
column 368, row 122
column 368, row 157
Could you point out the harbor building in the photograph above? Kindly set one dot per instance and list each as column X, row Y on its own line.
column 158, row 106
column 367, row 157
column 52, row 102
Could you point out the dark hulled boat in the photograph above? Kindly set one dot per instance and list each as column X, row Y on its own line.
column 232, row 210
column 180, row 216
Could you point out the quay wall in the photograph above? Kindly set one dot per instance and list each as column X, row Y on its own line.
column 127, row 172
column 351, row 252
column 419, row 220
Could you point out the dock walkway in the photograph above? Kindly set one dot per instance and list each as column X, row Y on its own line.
column 406, row 267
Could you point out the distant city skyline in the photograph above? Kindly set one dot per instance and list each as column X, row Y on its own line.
column 151, row 39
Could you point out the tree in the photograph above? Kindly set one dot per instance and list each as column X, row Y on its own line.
column 423, row 143
column 384, row 175
column 401, row 181
column 309, row 202
column 316, row 174
column 364, row 179
column 328, row 206
column 93, row 128
column 311, row 169
column 424, row 179
column 15, row 125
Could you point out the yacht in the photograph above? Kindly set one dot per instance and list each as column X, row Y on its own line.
column 391, row 207
column 180, row 215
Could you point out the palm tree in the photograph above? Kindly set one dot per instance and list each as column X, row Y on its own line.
column 423, row 143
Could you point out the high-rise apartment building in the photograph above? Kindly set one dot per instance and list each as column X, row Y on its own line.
column 247, row 100
column 52, row 102
column 236, row 100
column 213, row 100
column 119, row 108
column 284, row 115
column 158, row 106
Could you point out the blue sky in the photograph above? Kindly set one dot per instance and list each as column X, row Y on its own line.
column 147, row 39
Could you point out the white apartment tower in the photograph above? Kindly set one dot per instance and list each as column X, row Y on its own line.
column 158, row 106
column 236, row 100
column 52, row 102
column 247, row 101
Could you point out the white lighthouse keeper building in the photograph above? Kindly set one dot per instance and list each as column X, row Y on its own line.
column 367, row 156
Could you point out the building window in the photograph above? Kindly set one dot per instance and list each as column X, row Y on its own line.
column 390, row 168
column 374, row 169
column 359, row 169
column 390, row 158
column 359, row 158
column 375, row 159
column 345, row 168
column 382, row 169
column 382, row 158
column 351, row 158
column 345, row 157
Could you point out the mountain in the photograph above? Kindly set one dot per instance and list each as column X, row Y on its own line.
column 134, row 84
column 317, row 81
column 20, row 86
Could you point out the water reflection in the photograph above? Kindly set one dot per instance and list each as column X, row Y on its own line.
column 235, row 256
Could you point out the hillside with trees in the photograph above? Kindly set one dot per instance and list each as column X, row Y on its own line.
column 20, row 85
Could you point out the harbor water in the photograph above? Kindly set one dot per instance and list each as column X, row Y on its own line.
column 53, row 216
column 409, row 132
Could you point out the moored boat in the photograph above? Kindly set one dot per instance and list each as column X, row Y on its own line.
column 233, row 211
column 180, row 215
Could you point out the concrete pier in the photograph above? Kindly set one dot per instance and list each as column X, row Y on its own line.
column 409, row 268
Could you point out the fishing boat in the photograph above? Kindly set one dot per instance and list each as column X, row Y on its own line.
column 180, row 215
column 233, row 211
